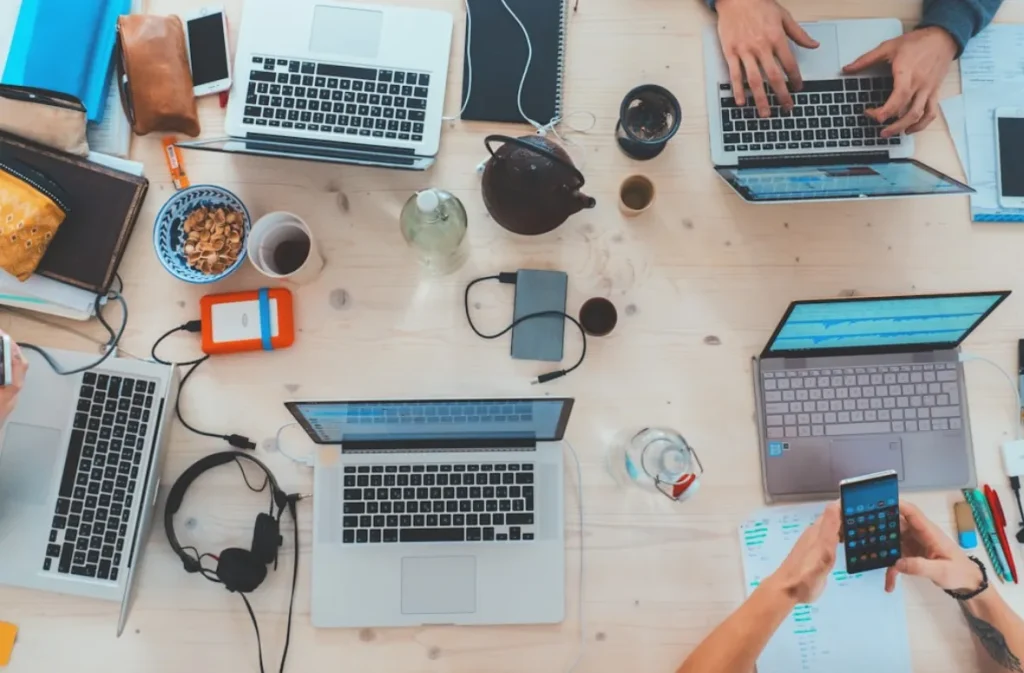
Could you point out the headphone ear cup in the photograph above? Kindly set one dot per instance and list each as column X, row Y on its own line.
column 240, row 570
column 266, row 538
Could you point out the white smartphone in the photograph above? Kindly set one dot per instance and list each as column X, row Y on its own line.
column 1010, row 156
column 206, row 36
column 6, row 374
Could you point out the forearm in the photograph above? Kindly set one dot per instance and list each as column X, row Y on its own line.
column 963, row 19
column 733, row 647
column 997, row 630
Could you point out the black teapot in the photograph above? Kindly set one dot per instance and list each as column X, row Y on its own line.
column 531, row 185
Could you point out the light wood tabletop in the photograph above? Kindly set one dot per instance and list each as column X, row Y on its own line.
column 699, row 281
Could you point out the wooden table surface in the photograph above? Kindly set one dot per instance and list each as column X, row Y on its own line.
column 700, row 282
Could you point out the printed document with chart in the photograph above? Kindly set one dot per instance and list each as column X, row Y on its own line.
column 854, row 627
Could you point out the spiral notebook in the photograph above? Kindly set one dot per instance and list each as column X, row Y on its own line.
column 497, row 51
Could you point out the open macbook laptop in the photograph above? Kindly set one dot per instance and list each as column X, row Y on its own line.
column 825, row 148
column 79, row 474
column 847, row 387
column 437, row 511
column 341, row 82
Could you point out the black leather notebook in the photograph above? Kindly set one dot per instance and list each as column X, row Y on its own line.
column 497, row 50
column 103, row 205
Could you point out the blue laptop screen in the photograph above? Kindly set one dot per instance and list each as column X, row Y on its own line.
column 881, row 322
column 839, row 181
column 334, row 422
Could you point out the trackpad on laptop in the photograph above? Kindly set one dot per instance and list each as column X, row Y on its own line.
column 435, row 585
column 823, row 61
column 857, row 456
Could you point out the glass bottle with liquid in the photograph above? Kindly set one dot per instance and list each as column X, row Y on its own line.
column 434, row 224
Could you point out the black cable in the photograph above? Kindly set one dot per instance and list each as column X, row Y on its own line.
column 259, row 642
column 509, row 278
column 111, row 346
column 237, row 441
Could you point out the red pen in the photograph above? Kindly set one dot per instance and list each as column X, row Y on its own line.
column 1000, row 521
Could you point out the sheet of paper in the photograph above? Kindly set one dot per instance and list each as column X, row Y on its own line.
column 956, row 119
column 113, row 135
column 46, row 295
column 855, row 625
column 117, row 163
column 979, row 107
column 994, row 56
column 8, row 18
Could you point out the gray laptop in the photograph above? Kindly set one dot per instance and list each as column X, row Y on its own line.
column 437, row 511
column 79, row 471
column 846, row 387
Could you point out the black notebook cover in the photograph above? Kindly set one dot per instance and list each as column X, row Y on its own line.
column 498, row 52
column 103, row 205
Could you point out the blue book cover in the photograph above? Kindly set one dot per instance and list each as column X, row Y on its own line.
column 81, row 65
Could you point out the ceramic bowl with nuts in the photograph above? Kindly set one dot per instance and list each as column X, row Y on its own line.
column 200, row 234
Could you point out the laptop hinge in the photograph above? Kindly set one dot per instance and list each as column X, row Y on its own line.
column 791, row 160
column 306, row 143
column 438, row 445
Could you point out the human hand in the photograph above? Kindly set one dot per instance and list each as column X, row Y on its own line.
column 754, row 36
column 804, row 572
column 9, row 394
column 920, row 60
column 929, row 552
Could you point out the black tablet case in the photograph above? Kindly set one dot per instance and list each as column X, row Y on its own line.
column 498, row 50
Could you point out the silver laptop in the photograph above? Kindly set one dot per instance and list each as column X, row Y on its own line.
column 825, row 148
column 437, row 511
column 79, row 470
column 339, row 82
column 846, row 387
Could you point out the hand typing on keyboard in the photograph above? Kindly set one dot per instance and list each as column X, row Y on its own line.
column 9, row 394
column 755, row 37
column 920, row 60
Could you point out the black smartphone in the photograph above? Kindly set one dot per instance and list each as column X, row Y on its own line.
column 6, row 375
column 871, row 521
column 539, row 338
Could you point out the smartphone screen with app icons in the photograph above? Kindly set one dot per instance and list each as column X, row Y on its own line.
column 871, row 521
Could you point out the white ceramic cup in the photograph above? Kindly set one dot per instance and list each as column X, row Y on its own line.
column 275, row 245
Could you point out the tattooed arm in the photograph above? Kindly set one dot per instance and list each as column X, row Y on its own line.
column 928, row 552
column 733, row 647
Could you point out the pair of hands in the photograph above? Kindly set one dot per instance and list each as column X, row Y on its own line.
column 755, row 37
column 927, row 552
column 9, row 394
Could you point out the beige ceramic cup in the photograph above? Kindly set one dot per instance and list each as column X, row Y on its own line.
column 281, row 246
column 636, row 195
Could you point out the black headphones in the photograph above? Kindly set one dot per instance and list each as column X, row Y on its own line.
column 239, row 570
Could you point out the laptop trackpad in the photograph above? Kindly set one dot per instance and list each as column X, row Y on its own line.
column 435, row 585
column 26, row 464
column 346, row 31
column 823, row 61
column 857, row 456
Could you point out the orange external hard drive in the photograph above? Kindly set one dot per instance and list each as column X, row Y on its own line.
column 247, row 321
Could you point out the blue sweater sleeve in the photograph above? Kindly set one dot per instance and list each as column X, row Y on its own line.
column 963, row 19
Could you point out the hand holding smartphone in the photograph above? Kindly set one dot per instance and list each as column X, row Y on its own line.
column 871, row 521
column 206, row 37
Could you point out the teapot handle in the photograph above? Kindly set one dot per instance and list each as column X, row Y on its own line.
column 537, row 150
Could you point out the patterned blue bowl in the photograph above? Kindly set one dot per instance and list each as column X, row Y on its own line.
column 169, row 235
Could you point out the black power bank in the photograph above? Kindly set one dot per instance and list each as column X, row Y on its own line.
column 540, row 338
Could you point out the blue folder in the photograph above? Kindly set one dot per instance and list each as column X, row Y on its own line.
column 66, row 46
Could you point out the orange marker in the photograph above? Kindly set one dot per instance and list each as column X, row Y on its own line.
column 175, row 163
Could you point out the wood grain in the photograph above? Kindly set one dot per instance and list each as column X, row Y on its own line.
column 700, row 281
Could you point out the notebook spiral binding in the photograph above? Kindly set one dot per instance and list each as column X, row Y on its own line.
column 559, row 86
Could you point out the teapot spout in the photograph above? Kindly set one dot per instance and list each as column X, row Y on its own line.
column 585, row 202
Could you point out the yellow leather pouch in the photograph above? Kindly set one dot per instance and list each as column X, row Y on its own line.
column 32, row 207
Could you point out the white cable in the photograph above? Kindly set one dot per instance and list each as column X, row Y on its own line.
column 579, row 501
column 469, row 65
column 306, row 462
column 967, row 357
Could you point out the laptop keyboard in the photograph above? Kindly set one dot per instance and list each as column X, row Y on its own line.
column 438, row 503
column 862, row 400
column 101, row 475
column 826, row 114
column 338, row 99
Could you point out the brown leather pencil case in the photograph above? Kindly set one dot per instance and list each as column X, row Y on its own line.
column 153, row 75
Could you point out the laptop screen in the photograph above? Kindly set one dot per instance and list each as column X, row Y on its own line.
column 852, row 325
column 901, row 177
column 433, row 420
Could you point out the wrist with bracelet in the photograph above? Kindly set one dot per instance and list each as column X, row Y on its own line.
column 968, row 595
